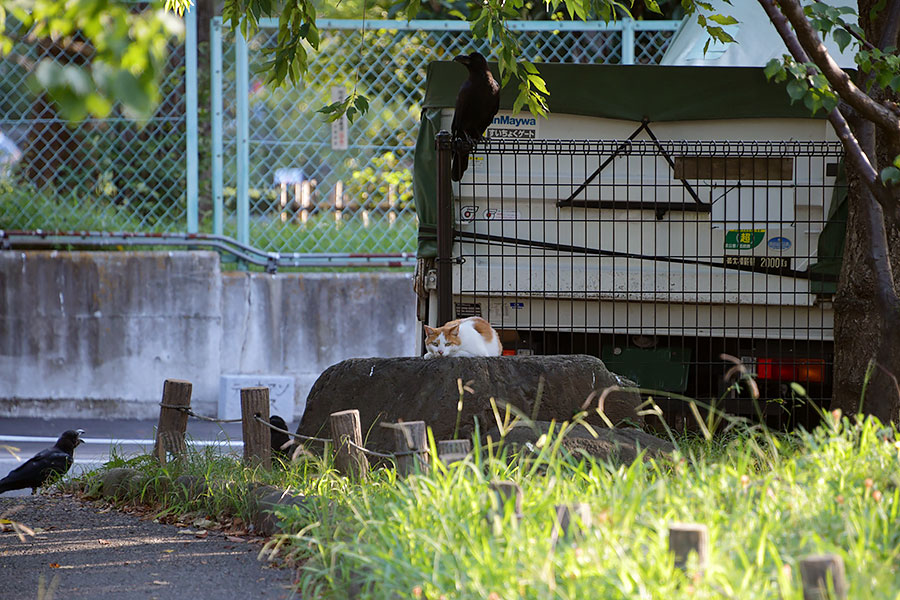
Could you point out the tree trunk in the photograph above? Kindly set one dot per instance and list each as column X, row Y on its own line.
column 867, row 315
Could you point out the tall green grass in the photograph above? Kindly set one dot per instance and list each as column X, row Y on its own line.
column 768, row 500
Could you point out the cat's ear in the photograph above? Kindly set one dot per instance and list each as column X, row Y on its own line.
column 455, row 329
column 428, row 330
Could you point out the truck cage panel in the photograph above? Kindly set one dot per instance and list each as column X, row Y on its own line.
column 663, row 258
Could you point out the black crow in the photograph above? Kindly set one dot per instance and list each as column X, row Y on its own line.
column 279, row 439
column 35, row 471
column 476, row 104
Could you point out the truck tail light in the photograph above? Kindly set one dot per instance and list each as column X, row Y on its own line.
column 801, row 370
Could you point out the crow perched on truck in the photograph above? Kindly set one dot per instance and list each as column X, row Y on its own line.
column 35, row 471
column 476, row 104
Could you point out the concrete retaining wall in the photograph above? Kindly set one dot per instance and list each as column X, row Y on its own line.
column 94, row 334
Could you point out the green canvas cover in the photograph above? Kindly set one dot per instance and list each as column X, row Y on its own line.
column 627, row 92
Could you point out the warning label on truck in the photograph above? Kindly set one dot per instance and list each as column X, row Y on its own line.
column 743, row 239
column 759, row 263
column 467, row 309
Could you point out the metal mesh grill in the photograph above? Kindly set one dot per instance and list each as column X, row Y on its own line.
column 305, row 196
column 107, row 174
column 659, row 258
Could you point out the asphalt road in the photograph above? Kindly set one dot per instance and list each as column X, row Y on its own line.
column 20, row 439
column 82, row 551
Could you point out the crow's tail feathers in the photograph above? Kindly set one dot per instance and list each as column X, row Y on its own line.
column 459, row 161
column 458, row 164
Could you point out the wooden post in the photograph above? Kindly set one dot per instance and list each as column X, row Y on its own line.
column 450, row 451
column 348, row 460
column 410, row 437
column 506, row 490
column 257, row 436
column 172, row 421
column 816, row 571
column 685, row 538
column 571, row 520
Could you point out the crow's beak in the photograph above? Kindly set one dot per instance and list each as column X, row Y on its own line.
column 80, row 433
column 462, row 58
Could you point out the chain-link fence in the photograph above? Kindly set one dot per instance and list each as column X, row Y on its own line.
column 294, row 183
column 111, row 174
column 283, row 179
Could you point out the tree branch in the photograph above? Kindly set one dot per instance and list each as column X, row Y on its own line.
column 839, row 80
column 855, row 153
column 849, row 30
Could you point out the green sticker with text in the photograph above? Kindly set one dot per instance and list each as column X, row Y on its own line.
column 743, row 239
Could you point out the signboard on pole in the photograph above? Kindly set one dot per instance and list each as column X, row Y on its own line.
column 339, row 126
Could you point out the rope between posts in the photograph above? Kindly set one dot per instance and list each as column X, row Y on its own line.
column 381, row 455
column 297, row 436
column 191, row 413
column 328, row 441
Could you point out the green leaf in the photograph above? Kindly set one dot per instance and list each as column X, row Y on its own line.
column 652, row 6
column 49, row 74
column 538, row 83
column 796, row 89
column 842, row 37
column 890, row 176
column 330, row 108
column 520, row 100
column 98, row 106
column 772, row 68
column 723, row 19
column 720, row 35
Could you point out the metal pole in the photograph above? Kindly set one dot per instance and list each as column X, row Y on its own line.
column 190, row 66
column 215, row 42
column 243, row 139
column 627, row 42
column 444, row 144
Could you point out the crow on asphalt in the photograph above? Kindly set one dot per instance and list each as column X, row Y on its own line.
column 476, row 104
column 279, row 439
column 35, row 471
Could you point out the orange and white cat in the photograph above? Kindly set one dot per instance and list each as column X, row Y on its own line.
column 472, row 336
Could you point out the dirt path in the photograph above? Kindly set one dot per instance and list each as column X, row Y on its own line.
column 95, row 554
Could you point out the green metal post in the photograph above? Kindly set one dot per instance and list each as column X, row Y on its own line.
column 215, row 43
column 190, row 59
column 242, row 76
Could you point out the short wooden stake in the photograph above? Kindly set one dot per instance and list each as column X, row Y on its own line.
column 815, row 573
column 172, row 422
column 450, row 451
column 685, row 538
column 409, row 437
column 345, row 426
column 505, row 491
column 571, row 520
column 257, row 436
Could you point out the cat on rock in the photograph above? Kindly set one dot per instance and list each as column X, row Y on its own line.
column 472, row 336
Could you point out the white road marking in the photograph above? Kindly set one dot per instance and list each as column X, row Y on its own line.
column 25, row 439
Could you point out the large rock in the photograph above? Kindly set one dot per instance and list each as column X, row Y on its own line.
column 386, row 390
